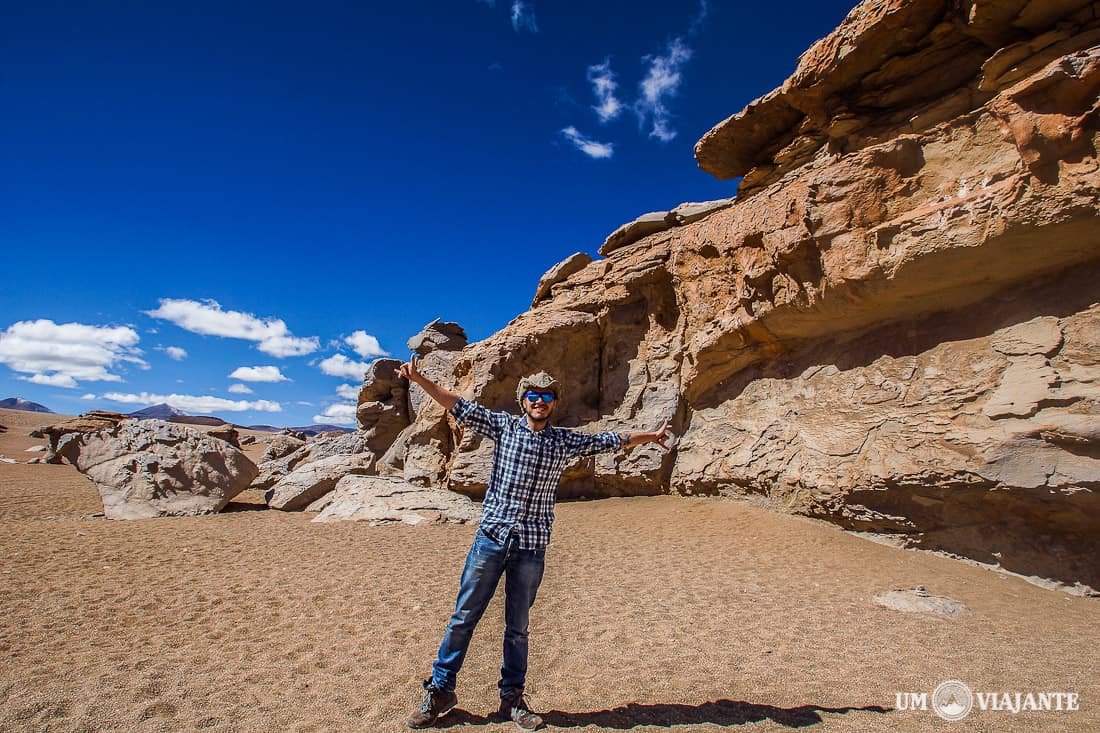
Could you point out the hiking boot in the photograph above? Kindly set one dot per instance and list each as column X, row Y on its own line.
column 514, row 707
column 437, row 703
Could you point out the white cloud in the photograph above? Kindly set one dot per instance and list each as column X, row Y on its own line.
column 238, row 388
column 589, row 147
column 348, row 391
column 193, row 403
column 661, row 83
column 523, row 16
column 304, row 403
column 88, row 396
column 337, row 415
column 604, row 86
column 52, row 380
column 60, row 355
column 208, row 318
column 339, row 365
column 258, row 374
column 365, row 345
column 175, row 352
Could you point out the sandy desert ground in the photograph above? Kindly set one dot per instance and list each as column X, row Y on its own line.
column 656, row 614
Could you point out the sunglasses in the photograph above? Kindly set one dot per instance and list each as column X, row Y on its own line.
column 546, row 397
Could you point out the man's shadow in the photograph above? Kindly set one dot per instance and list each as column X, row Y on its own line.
column 716, row 712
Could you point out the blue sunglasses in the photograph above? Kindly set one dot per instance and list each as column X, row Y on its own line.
column 533, row 396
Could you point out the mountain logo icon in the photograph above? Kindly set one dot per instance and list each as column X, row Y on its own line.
column 952, row 700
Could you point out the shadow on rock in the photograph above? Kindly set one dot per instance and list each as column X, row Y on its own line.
column 717, row 712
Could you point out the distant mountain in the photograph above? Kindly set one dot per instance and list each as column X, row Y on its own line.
column 314, row 429
column 18, row 403
column 162, row 411
column 197, row 420
column 264, row 428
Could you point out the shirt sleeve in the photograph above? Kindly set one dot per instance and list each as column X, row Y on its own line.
column 585, row 444
column 479, row 419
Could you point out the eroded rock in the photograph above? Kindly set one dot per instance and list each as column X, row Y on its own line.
column 382, row 500
column 151, row 468
column 310, row 481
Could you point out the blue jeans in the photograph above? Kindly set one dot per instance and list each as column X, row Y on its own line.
column 487, row 561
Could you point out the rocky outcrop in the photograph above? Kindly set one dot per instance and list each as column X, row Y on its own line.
column 383, row 407
column 418, row 454
column 382, row 500
column 893, row 326
column 150, row 468
column 917, row 64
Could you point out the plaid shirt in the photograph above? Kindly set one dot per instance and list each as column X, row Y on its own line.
column 526, row 468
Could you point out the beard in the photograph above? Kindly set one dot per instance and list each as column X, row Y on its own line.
column 528, row 411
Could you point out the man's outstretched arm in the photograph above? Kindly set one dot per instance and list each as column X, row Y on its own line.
column 444, row 397
column 660, row 437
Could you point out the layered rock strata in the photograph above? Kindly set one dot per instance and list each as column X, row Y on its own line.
column 895, row 326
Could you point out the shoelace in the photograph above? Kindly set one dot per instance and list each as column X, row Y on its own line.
column 429, row 701
column 519, row 707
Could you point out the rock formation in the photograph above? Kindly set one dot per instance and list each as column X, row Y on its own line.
column 150, row 468
column 385, row 500
column 313, row 479
column 896, row 324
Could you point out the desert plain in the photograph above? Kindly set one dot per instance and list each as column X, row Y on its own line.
column 656, row 614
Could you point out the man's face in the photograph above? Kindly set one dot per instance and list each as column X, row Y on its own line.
column 536, row 405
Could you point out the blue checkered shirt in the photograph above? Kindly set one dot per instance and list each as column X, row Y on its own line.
column 527, row 466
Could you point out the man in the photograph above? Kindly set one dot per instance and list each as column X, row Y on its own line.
column 511, row 540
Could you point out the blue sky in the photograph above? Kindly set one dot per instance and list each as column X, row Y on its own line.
column 237, row 205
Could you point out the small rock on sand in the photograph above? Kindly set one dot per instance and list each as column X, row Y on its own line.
column 919, row 600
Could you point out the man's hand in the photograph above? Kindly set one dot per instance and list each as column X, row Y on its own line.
column 408, row 370
column 660, row 437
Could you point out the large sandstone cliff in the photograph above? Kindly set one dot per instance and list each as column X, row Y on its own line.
column 896, row 324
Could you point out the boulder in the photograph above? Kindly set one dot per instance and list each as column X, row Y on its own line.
column 340, row 444
column 312, row 480
column 281, row 445
column 438, row 335
column 382, row 410
column 631, row 232
column 150, row 468
column 383, row 500
column 560, row 272
column 693, row 211
column 297, row 434
column 227, row 433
